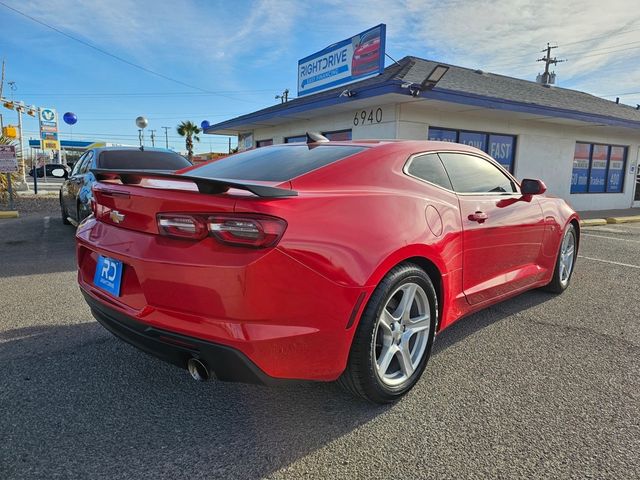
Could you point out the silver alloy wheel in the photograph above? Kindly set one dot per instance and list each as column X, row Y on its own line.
column 567, row 257
column 402, row 333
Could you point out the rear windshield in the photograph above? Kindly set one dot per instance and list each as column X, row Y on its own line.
column 137, row 159
column 275, row 164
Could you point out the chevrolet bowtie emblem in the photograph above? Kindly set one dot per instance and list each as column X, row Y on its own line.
column 116, row 216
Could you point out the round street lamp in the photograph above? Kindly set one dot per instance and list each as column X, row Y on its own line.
column 141, row 123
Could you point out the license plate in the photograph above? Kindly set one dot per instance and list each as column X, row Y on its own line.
column 108, row 275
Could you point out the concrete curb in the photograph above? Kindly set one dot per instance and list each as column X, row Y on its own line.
column 593, row 222
column 9, row 214
column 631, row 219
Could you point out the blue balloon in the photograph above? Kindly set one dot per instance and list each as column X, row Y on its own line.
column 70, row 118
column 205, row 124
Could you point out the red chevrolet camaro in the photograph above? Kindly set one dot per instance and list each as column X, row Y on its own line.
column 317, row 261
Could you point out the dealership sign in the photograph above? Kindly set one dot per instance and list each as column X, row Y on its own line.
column 49, row 129
column 344, row 62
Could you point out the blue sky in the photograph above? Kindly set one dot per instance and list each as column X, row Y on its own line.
column 243, row 53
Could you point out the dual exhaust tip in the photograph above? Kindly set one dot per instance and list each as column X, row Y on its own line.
column 198, row 370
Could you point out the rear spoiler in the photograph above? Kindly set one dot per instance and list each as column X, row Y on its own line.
column 205, row 185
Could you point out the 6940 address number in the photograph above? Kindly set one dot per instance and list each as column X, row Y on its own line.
column 367, row 117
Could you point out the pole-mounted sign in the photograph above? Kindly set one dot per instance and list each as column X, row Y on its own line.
column 49, row 129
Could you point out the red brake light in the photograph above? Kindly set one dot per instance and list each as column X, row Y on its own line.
column 257, row 231
column 244, row 230
column 182, row 226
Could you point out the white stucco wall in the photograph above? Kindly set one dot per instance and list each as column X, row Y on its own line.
column 543, row 150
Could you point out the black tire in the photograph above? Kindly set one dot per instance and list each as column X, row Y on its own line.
column 557, row 285
column 361, row 377
column 63, row 212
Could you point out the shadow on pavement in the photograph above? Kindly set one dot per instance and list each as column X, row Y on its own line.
column 79, row 403
column 35, row 245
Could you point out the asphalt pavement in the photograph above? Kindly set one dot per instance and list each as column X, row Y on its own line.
column 540, row 386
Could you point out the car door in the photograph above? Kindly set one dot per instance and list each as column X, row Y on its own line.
column 85, row 193
column 75, row 183
column 502, row 229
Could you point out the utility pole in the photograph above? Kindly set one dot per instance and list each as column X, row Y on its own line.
column 284, row 98
column 1, row 88
column 166, row 137
column 548, row 78
column 153, row 137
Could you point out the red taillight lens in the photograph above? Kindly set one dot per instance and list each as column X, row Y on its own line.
column 257, row 231
column 182, row 226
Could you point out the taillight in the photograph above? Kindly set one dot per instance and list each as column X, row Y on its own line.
column 258, row 231
column 182, row 226
column 255, row 231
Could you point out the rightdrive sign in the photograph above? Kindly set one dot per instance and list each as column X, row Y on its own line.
column 344, row 62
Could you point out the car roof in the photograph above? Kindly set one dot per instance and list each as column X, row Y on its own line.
column 99, row 150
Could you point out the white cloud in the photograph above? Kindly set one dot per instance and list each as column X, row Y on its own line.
column 503, row 36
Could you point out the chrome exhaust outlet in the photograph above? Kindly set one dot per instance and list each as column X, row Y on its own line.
column 198, row 370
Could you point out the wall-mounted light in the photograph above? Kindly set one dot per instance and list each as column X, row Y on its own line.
column 429, row 82
column 348, row 93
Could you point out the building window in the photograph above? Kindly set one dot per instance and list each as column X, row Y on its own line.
column 500, row 146
column 264, row 143
column 296, row 139
column 338, row 135
column 598, row 168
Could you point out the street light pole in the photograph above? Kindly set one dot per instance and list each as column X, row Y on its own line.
column 166, row 137
column 24, row 176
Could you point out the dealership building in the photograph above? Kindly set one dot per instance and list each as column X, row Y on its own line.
column 585, row 148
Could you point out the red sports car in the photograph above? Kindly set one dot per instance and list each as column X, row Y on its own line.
column 317, row 261
column 366, row 56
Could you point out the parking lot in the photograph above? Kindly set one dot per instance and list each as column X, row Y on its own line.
column 541, row 386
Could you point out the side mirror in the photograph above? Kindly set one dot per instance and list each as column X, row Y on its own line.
column 58, row 172
column 532, row 187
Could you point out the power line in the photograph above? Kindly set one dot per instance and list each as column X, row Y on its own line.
column 571, row 54
column 148, row 94
column 116, row 57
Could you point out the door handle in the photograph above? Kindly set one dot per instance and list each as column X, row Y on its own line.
column 478, row 216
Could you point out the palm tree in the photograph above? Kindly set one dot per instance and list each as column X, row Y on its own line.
column 190, row 131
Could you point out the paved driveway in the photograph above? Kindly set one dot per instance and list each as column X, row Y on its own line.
column 541, row 386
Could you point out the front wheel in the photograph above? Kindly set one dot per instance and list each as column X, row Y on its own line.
column 566, row 261
column 392, row 343
column 63, row 212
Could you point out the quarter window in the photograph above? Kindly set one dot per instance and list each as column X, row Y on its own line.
column 471, row 174
column 429, row 168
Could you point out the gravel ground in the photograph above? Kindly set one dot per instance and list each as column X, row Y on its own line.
column 40, row 205
column 540, row 386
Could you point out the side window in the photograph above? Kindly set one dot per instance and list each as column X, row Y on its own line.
column 471, row 174
column 78, row 165
column 86, row 165
column 429, row 167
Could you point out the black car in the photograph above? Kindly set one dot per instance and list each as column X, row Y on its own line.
column 75, row 193
column 53, row 170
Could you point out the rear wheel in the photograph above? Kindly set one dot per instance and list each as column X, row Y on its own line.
column 565, row 262
column 393, row 340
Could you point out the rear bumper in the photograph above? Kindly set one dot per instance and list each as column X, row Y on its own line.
column 279, row 315
column 225, row 363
